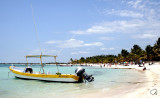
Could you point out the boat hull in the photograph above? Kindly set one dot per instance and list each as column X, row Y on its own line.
column 45, row 77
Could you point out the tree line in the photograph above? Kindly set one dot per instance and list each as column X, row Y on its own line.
column 136, row 54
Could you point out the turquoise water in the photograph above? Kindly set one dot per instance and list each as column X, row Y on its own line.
column 105, row 79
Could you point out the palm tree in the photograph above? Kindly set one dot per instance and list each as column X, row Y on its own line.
column 82, row 60
column 136, row 49
column 149, row 52
column 120, row 58
column 156, row 47
column 136, row 52
column 71, row 61
column 124, row 53
column 105, row 60
column 143, row 55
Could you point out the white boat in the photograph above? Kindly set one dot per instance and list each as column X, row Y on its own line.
column 29, row 74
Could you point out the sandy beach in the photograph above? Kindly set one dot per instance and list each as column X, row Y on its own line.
column 151, row 87
column 147, row 87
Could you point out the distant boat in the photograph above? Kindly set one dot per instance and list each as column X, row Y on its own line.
column 28, row 73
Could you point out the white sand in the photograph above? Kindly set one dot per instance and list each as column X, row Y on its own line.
column 141, row 89
column 152, row 85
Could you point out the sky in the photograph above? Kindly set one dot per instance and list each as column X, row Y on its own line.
column 75, row 28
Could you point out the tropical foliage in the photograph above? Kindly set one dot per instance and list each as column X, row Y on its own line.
column 136, row 54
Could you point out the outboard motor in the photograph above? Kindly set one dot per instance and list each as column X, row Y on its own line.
column 81, row 73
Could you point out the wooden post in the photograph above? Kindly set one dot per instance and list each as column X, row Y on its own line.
column 41, row 62
column 27, row 62
column 56, row 63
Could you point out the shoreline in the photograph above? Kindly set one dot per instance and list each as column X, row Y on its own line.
column 151, row 87
column 147, row 87
column 139, row 87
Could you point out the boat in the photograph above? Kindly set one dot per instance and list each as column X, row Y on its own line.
column 29, row 74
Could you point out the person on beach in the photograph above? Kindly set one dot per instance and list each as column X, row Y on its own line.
column 144, row 68
column 110, row 65
column 116, row 64
column 143, row 63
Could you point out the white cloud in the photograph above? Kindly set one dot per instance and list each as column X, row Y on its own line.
column 52, row 42
column 94, row 44
column 94, row 30
column 124, row 13
column 145, row 36
column 149, row 8
column 73, row 43
column 124, row 26
column 135, row 4
column 79, row 52
column 145, row 20
column 111, row 48
column 105, row 49
column 106, row 38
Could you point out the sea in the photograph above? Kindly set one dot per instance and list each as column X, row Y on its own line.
column 104, row 81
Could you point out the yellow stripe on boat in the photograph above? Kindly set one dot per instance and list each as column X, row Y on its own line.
column 45, row 75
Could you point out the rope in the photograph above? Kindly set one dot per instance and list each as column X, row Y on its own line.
column 37, row 37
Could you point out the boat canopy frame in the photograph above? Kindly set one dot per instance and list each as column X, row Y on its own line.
column 40, row 56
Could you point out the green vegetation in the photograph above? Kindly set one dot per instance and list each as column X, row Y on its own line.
column 136, row 54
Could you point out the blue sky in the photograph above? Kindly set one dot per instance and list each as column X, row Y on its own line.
column 76, row 28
